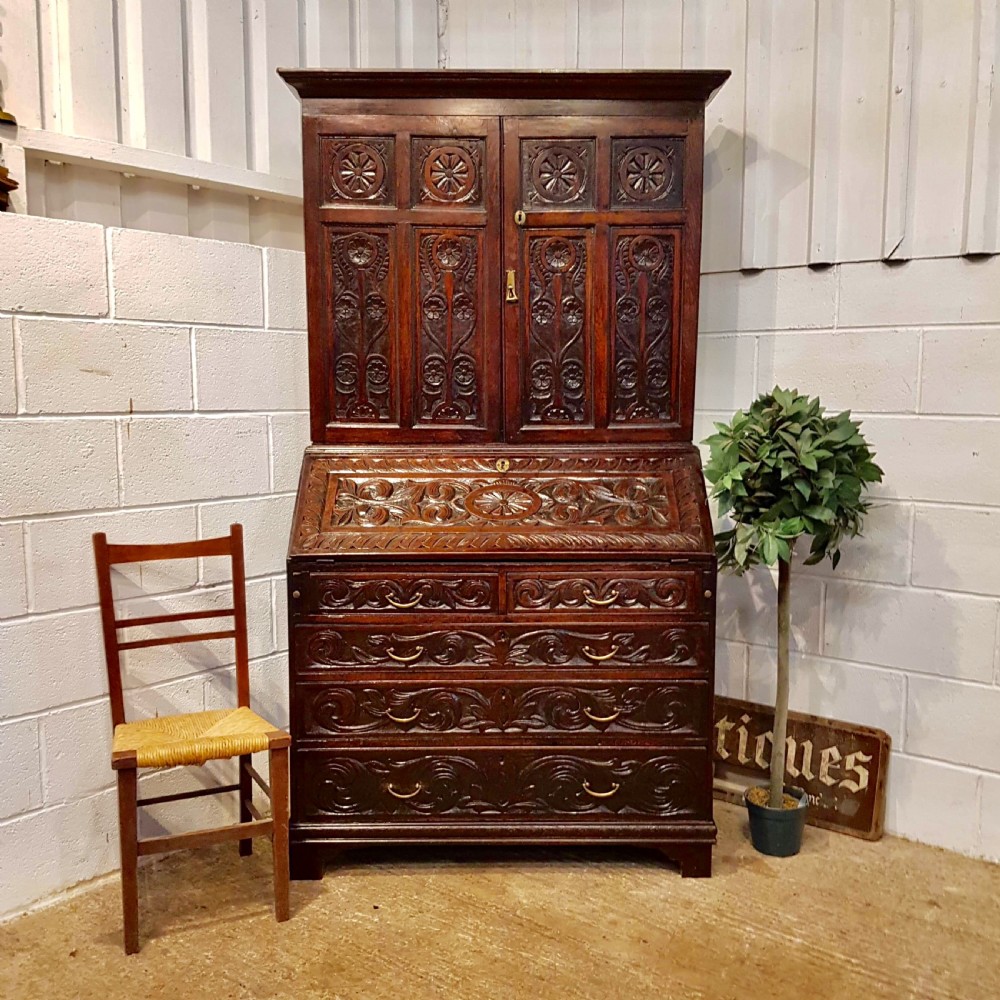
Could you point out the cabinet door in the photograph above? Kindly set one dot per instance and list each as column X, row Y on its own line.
column 403, row 234
column 596, row 249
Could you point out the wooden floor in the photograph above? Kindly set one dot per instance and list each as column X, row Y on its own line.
column 844, row 919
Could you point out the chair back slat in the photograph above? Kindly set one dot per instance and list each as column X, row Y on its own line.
column 170, row 550
column 173, row 640
column 181, row 616
column 106, row 556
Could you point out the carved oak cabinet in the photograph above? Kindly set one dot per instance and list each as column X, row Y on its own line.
column 501, row 581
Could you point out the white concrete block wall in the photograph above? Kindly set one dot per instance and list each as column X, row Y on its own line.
column 905, row 634
column 106, row 424
column 153, row 387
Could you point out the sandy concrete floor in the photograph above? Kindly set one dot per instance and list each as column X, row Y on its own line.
column 844, row 919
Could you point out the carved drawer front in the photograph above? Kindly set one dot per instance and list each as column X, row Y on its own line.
column 354, row 593
column 678, row 646
column 680, row 590
column 533, row 784
column 676, row 708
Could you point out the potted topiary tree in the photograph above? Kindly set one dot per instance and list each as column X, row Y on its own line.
column 781, row 470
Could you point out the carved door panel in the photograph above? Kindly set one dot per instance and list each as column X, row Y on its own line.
column 405, row 304
column 594, row 218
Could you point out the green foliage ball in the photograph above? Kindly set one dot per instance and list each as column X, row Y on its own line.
column 784, row 469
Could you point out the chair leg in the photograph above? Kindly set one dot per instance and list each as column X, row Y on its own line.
column 246, row 797
column 129, row 838
column 279, row 836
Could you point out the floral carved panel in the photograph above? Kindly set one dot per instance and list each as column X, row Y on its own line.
column 362, row 311
column 358, row 169
column 556, row 364
column 447, row 171
column 643, row 316
column 450, row 327
column 558, row 173
column 647, row 173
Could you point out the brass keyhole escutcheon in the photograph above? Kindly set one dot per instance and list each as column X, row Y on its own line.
column 503, row 464
column 511, row 295
column 519, row 217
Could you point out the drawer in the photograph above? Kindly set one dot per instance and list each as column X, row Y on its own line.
column 513, row 647
column 680, row 590
column 363, row 593
column 583, row 783
column 652, row 708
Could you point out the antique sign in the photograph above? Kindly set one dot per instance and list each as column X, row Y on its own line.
column 842, row 767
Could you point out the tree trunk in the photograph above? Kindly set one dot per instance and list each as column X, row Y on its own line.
column 781, row 694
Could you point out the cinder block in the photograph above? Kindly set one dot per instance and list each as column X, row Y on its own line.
column 869, row 371
column 86, row 367
column 156, row 664
column 915, row 630
column 877, row 294
column 931, row 458
column 788, row 298
column 52, row 266
column 285, row 273
column 62, row 563
column 273, row 370
column 171, row 698
column 731, row 669
column 747, row 609
column 957, row 548
column 49, row 850
column 8, row 391
column 725, row 377
column 160, row 276
column 13, row 592
column 77, row 751
column 961, row 370
column 168, row 459
column 932, row 802
column 268, row 689
column 266, row 522
column 279, row 600
column 50, row 661
column 989, row 817
column 20, row 752
column 192, row 814
column 834, row 690
column 953, row 722
column 54, row 465
column 289, row 439
column 881, row 554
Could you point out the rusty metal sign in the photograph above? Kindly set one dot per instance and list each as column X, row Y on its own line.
column 840, row 766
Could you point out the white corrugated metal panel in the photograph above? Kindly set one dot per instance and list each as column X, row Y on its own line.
column 850, row 130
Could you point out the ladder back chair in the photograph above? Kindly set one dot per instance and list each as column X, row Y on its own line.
column 191, row 738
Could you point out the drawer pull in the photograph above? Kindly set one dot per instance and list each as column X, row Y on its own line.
column 402, row 720
column 601, row 795
column 598, row 657
column 601, row 718
column 415, row 655
column 601, row 602
column 403, row 605
column 405, row 795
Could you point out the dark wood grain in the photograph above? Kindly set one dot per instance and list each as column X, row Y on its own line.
column 501, row 581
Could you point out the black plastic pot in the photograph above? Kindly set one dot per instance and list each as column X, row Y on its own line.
column 778, row 832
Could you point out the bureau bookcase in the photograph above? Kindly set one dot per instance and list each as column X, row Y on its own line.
column 501, row 580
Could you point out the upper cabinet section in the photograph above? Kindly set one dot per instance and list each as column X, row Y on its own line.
column 502, row 256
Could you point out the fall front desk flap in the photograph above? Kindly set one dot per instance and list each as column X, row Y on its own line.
column 490, row 501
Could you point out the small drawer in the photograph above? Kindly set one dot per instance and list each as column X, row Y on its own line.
column 652, row 708
column 363, row 593
column 673, row 590
column 680, row 646
column 517, row 784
